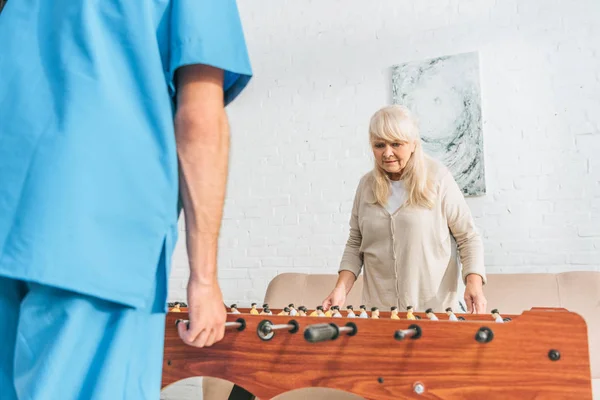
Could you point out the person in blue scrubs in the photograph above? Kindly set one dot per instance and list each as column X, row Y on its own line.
column 112, row 119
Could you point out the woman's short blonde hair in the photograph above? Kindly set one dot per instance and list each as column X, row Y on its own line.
column 392, row 124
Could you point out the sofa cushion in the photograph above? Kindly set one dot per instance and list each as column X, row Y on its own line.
column 309, row 290
column 513, row 294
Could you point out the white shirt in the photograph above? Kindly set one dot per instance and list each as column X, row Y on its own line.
column 397, row 196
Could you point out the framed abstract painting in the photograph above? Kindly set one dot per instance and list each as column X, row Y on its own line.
column 445, row 95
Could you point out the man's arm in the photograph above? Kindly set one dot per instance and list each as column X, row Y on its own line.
column 202, row 135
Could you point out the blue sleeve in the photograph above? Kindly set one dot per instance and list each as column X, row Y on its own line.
column 210, row 32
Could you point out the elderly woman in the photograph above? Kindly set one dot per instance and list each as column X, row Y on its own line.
column 408, row 218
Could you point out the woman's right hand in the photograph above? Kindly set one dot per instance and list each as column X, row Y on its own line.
column 337, row 297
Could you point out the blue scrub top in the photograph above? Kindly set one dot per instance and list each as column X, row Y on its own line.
column 88, row 164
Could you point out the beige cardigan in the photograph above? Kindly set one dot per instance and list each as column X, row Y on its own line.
column 410, row 257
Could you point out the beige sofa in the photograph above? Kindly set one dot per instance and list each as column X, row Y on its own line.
column 510, row 293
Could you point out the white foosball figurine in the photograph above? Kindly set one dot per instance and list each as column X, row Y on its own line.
column 431, row 315
column 336, row 312
column 320, row 312
column 451, row 315
column 293, row 311
column 363, row 312
column 234, row 309
column 497, row 316
column 350, row 312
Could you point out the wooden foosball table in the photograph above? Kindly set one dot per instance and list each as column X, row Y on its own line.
column 539, row 354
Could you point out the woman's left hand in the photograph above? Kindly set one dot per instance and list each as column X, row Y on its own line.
column 474, row 298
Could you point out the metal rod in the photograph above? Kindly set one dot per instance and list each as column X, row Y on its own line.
column 228, row 325
column 266, row 329
column 269, row 328
column 345, row 329
column 413, row 331
column 405, row 333
column 482, row 336
column 236, row 325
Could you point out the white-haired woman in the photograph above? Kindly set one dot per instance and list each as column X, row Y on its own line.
column 408, row 219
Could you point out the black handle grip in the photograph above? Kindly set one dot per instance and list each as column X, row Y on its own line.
column 321, row 332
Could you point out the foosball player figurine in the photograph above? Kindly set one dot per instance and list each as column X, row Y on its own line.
column 234, row 309
column 497, row 316
column 394, row 312
column 363, row 312
column 318, row 312
column 176, row 307
column 350, row 312
column 285, row 311
column 293, row 311
column 451, row 315
column 253, row 310
column 409, row 313
column 431, row 315
column 331, row 311
column 336, row 312
column 302, row 311
column 265, row 310
column 374, row 312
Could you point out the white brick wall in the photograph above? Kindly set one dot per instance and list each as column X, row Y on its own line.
column 321, row 70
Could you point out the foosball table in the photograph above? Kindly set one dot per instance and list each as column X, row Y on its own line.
column 539, row 354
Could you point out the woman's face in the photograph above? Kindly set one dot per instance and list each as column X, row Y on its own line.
column 393, row 157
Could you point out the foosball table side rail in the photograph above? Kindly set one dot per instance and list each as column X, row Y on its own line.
column 541, row 353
